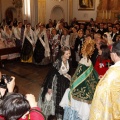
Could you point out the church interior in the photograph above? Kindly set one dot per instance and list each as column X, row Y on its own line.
column 35, row 11
column 41, row 11
column 82, row 15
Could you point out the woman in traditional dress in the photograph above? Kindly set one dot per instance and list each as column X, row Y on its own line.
column 49, row 36
column 9, row 41
column 56, row 82
column 8, row 36
column 42, row 51
column 2, row 44
column 18, row 33
column 77, row 99
column 28, row 44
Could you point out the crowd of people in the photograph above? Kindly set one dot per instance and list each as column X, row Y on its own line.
column 91, row 49
column 41, row 44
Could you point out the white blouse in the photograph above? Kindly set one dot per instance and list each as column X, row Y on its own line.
column 64, row 69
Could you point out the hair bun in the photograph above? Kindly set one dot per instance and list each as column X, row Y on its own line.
column 88, row 47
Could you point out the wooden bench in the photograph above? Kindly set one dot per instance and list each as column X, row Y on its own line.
column 6, row 51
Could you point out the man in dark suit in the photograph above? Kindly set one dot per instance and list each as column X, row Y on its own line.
column 101, row 29
column 114, row 34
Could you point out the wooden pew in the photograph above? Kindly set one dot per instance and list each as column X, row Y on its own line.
column 6, row 51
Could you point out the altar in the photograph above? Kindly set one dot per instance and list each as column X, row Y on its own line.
column 108, row 11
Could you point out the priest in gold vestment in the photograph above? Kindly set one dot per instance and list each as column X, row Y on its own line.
column 106, row 101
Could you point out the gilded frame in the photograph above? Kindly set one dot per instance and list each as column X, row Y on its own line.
column 86, row 4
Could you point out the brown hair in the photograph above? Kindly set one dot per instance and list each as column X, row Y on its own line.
column 65, row 29
column 105, row 52
column 63, row 49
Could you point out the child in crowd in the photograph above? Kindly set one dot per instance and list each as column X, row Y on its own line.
column 103, row 60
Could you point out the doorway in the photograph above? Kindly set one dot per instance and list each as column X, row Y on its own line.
column 10, row 14
column 57, row 13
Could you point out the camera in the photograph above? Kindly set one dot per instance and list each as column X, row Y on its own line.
column 2, row 82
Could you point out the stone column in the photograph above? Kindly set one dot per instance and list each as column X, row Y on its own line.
column 41, row 10
column 34, row 12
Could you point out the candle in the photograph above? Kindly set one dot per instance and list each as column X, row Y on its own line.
column 110, row 14
column 106, row 14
